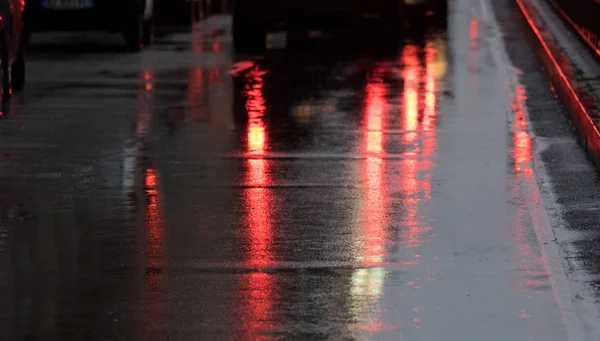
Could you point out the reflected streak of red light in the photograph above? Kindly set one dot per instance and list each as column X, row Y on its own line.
column 474, row 37
column 410, row 184
column 430, row 106
column 195, row 89
column 522, row 157
column 258, row 199
column 474, row 31
column 376, row 107
column 374, row 200
column 255, row 108
column 154, row 231
column 258, row 203
column 154, row 309
column 213, row 76
column 150, row 179
column 256, row 139
column 374, row 123
column 258, row 175
column 411, row 113
column 144, row 109
column 148, row 80
column 258, row 298
column 522, row 140
column 374, row 142
column 373, row 212
column 259, row 218
column 430, row 90
column 411, row 86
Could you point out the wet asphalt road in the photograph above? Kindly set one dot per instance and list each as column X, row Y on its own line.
column 184, row 194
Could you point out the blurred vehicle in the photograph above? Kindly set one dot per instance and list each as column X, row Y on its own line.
column 179, row 12
column 253, row 19
column 11, row 49
column 132, row 18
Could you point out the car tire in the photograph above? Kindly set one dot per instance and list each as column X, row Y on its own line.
column 248, row 35
column 18, row 70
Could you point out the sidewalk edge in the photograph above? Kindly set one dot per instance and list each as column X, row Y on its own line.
column 580, row 104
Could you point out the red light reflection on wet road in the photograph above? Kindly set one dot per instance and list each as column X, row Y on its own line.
column 144, row 110
column 153, row 300
column 522, row 140
column 474, row 31
column 531, row 259
column 149, row 84
column 258, row 205
column 256, row 137
column 258, row 196
column 430, row 89
column 154, row 230
column 370, row 242
column 473, row 50
column 419, row 101
column 216, row 46
column 255, row 108
column 382, row 173
column 372, row 250
column 411, row 74
column 258, row 295
column 195, row 92
column 153, row 312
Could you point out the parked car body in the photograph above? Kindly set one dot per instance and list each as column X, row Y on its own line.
column 12, row 72
column 132, row 18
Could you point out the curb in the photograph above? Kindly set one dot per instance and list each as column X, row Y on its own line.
column 580, row 103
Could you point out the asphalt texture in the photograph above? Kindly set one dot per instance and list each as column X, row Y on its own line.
column 331, row 193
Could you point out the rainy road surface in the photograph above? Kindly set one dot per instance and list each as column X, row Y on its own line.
column 182, row 194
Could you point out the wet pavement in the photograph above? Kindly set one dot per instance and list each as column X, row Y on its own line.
column 185, row 193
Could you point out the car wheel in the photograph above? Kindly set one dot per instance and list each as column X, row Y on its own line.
column 247, row 34
column 18, row 70
column 134, row 31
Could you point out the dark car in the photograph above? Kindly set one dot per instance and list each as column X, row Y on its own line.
column 11, row 50
column 185, row 12
column 132, row 18
column 252, row 19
